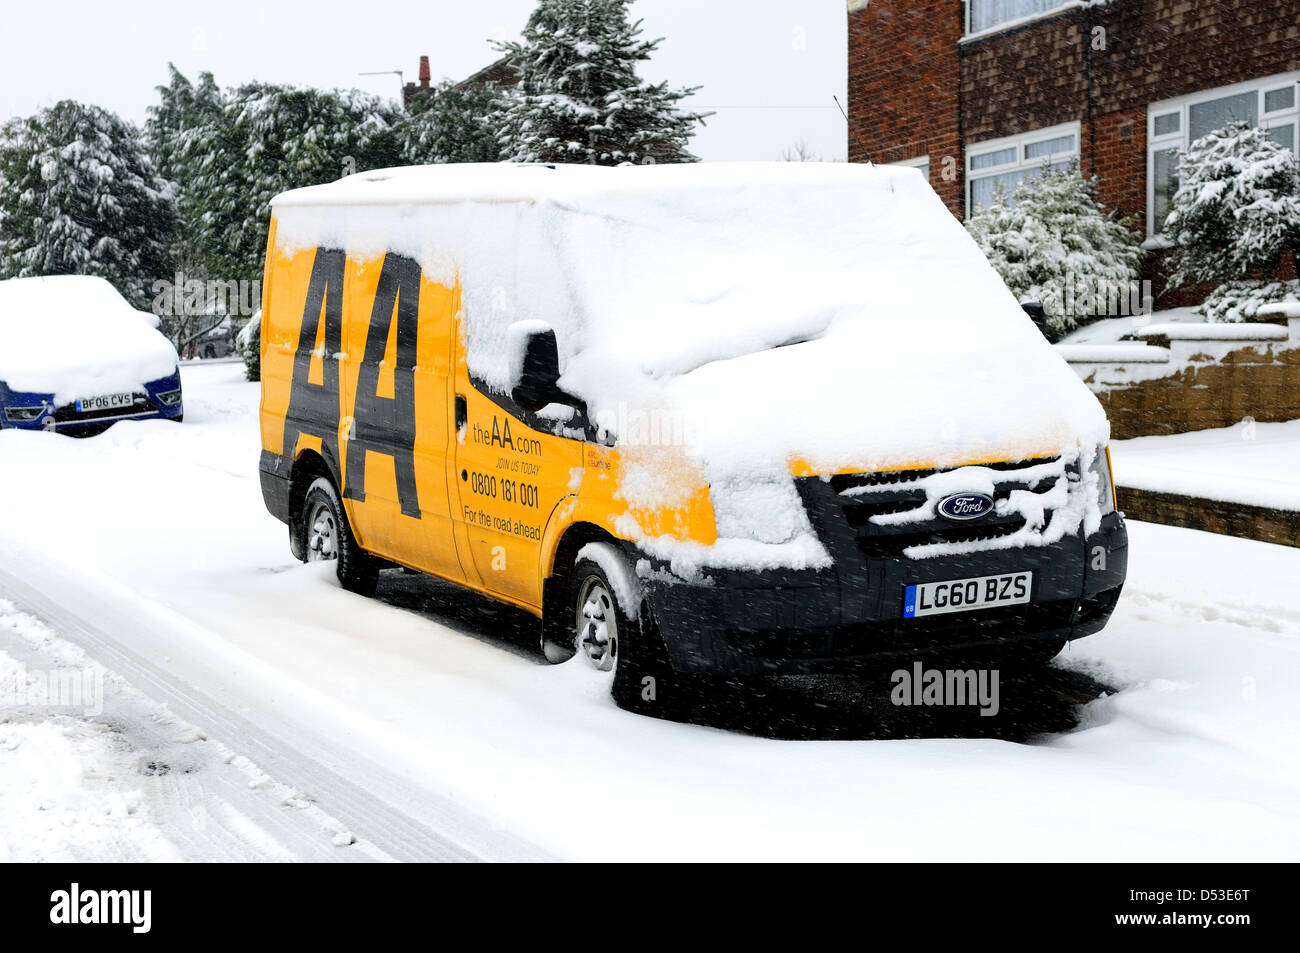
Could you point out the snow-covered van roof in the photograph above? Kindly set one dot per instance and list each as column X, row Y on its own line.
column 672, row 281
column 790, row 316
column 74, row 336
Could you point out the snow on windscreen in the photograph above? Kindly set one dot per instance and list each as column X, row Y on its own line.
column 836, row 315
column 74, row 336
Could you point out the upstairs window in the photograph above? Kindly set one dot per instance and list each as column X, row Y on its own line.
column 985, row 15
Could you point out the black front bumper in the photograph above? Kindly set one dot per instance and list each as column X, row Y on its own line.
column 847, row 616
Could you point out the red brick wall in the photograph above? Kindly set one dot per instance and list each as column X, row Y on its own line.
column 914, row 88
column 1102, row 65
column 903, row 79
column 1114, row 148
column 1025, row 79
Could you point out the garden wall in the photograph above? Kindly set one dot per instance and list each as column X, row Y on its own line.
column 1173, row 378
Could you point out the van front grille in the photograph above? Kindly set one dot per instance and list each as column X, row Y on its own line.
column 874, row 507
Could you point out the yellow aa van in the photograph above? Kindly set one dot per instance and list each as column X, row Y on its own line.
column 699, row 420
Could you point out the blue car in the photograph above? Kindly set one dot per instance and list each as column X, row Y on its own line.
column 76, row 358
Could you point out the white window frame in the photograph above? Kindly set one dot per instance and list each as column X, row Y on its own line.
column 1181, row 106
column 1015, row 21
column 1019, row 142
column 916, row 162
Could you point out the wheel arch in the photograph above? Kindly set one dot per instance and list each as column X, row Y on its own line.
column 307, row 468
column 555, row 584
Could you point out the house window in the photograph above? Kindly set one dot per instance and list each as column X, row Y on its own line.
column 1172, row 125
column 984, row 15
column 1005, row 162
column 920, row 162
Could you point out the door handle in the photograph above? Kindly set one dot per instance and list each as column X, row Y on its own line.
column 462, row 412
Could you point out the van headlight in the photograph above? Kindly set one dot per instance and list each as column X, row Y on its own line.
column 1105, row 484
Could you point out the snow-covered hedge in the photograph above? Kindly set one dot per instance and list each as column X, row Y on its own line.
column 1050, row 240
column 1242, row 299
column 248, row 342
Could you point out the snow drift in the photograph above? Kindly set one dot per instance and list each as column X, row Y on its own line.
column 74, row 336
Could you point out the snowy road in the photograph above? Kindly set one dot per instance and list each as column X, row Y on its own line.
column 292, row 719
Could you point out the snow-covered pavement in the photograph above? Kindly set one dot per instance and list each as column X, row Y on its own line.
column 423, row 723
column 1110, row 330
column 1253, row 463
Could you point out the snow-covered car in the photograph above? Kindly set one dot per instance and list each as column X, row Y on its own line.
column 76, row 357
column 700, row 420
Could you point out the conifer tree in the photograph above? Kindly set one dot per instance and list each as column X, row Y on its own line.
column 579, row 97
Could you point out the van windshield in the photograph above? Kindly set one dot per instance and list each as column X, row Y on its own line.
column 661, row 281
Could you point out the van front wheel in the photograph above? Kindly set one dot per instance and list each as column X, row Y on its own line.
column 325, row 535
column 621, row 644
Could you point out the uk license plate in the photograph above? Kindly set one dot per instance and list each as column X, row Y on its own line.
column 106, row 402
column 966, row 595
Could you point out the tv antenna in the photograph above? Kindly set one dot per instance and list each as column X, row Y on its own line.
column 401, row 78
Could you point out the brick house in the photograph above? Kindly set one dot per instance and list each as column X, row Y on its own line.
column 980, row 92
column 499, row 75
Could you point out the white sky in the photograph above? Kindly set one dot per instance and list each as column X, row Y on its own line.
column 769, row 67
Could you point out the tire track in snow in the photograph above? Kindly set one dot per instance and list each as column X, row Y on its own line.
column 1263, row 620
column 198, row 677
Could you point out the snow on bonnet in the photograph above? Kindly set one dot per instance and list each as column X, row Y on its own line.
column 74, row 336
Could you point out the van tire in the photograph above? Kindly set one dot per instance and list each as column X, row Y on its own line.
column 357, row 570
column 643, row 678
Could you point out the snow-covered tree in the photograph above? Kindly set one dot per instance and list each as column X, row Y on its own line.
column 182, row 108
column 1241, row 298
column 79, row 195
column 1235, row 213
column 579, row 98
column 799, row 151
column 1053, row 242
column 450, row 123
column 266, row 140
column 248, row 344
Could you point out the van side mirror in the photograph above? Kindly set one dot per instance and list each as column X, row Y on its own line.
column 1037, row 313
column 536, row 366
